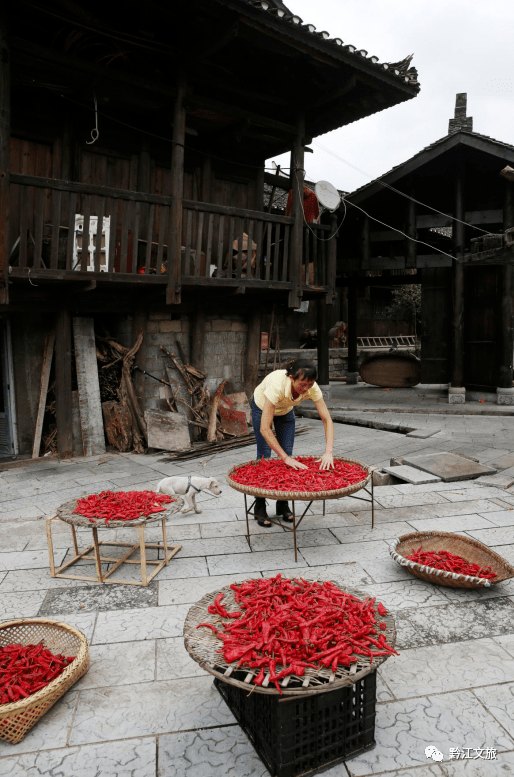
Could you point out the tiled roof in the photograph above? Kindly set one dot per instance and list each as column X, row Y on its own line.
column 277, row 10
column 429, row 148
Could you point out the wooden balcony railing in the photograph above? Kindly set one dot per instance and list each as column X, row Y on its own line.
column 59, row 228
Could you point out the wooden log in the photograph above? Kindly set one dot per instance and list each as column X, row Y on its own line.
column 91, row 421
column 63, row 397
column 43, row 390
column 211, row 431
column 118, row 425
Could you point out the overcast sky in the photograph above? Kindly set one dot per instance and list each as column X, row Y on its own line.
column 458, row 46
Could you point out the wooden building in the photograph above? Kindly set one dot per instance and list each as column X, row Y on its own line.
column 452, row 200
column 133, row 143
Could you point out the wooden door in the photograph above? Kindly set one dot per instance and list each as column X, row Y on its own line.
column 436, row 314
column 482, row 327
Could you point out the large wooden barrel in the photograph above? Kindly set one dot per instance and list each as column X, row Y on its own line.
column 391, row 370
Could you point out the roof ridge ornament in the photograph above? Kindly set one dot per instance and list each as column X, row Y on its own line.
column 461, row 122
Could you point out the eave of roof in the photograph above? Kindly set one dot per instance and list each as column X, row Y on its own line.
column 471, row 139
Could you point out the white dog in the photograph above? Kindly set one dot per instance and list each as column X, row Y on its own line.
column 189, row 487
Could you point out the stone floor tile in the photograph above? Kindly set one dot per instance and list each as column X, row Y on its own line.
column 385, row 531
column 501, row 766
column 148, row 709
column 304, row 539
column 37, row 579
column 419, row 627
column 130, row 758
column 98, row 599
column 502, row 535
column 177, row 568
column 174, row 662
column 214, row 546
column 49, row 733
column 384, row 570
column 216, row 752
column 410, row 500
column 405, row 728
column 405, row 594
column 451, row 667
column 454, row 523
column 499, row 701
column 28, row 559
column 107, row 668
column 501, row 517
column 20, row 604
column 254, row 562
column 481, row 492
column 338, row 554
column 133, row 625
column 210, row 515
column 190, row 590
column 468, row 507
column 235, row 528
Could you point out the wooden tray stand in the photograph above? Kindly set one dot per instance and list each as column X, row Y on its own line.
column 95, row 553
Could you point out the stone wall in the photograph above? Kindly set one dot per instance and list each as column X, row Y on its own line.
column 338, row 359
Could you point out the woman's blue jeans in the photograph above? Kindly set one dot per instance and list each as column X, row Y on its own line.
column 284, row 431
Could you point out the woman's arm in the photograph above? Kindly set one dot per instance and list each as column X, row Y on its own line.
column 327, row 460
column 267, row 432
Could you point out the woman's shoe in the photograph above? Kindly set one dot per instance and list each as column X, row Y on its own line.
column 284, row 512
column 259, row 512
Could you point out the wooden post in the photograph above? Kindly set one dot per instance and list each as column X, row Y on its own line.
column 323, row 352
column 259, row 189
column 410, row 230
column 365, row 245
column 296, row 246
column 63, row 395
column 506, row 371
column 352, row 333
column 458, row 282
column 332, row 261
column 173, row 291
column 198, row 337
column 5, row 144
column 253, row 350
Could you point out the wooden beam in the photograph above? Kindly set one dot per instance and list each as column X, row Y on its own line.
column 41, row 182
column 334, row 96
column 233, row 111
column 173, row 291
column 364, row 246
column 220, row 40
column 296, row 244
column 227, row 210
column 478, row 217
column 279, row 181
column 63, row 394
column 5, row 142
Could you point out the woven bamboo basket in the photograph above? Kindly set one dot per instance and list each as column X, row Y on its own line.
column 306, row 496
column 472, row 550
column 66, row 512
column 18, row 718
column 203, row 646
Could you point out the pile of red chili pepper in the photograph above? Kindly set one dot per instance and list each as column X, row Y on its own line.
column 447, row 562
column 296, row 624
column 121, row 505
column 274, row 475
column 25, row 669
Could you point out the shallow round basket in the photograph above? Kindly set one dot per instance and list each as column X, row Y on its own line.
column 203, row 646
column 306, row 496
column 472, row 550
column 18, row 718
column 66, row 512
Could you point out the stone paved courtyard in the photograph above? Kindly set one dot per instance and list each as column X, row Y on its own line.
column 145, row 709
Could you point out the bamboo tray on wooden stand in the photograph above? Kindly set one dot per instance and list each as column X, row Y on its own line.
column 302, row 496
column 65, row 514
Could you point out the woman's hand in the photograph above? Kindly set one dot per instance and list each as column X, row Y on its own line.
column 293, row 463
column 327, row 461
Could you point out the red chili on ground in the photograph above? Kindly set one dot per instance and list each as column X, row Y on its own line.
column 25, row 669
column 284, row 626
column 121, row 505
column 274, row 475
column 447, row 562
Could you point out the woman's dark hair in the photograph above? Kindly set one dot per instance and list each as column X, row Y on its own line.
column 302, row 368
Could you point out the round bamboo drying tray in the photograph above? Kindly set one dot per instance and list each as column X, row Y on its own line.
column 66, row 513
column 202, row 645
column 305, row 496
column 472, row 550
column 18, row 718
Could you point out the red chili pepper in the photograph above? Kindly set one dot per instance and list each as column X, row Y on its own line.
column 274, row 475
column 448, row 562
column 121, row 505
column 25, row 669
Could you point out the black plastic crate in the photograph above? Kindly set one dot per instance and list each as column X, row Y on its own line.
column 297, row 735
